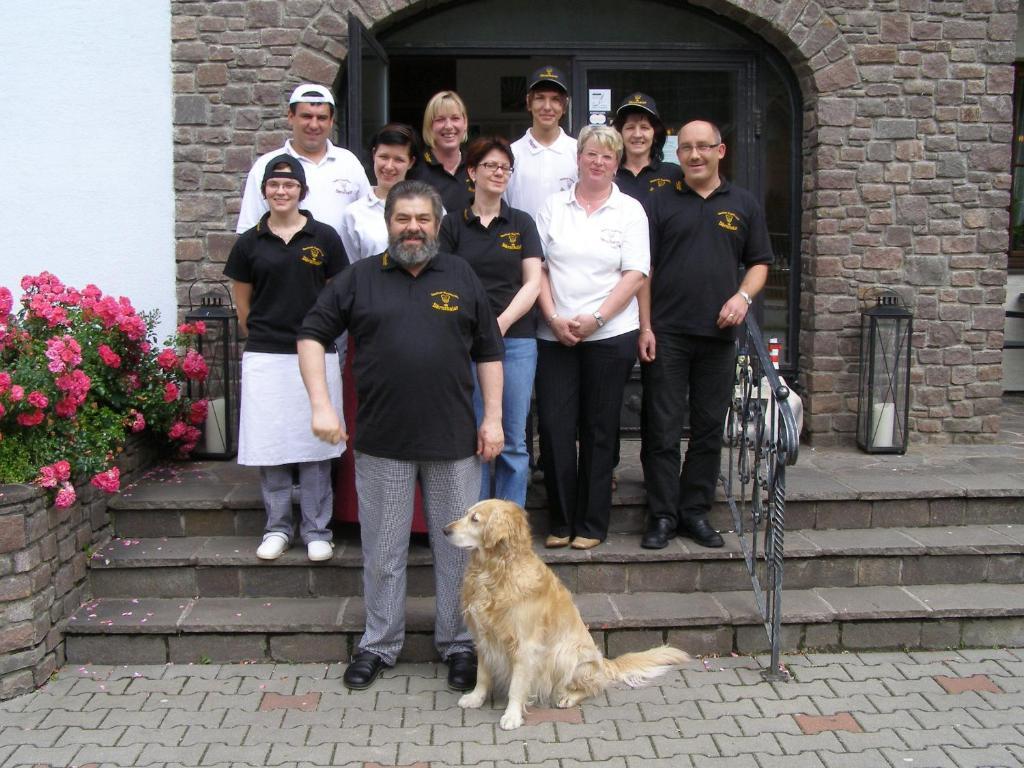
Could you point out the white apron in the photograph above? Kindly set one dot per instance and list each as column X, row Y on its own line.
column 275, row 419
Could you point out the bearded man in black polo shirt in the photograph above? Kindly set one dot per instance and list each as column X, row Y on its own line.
column 690, row 307
column 419, row 319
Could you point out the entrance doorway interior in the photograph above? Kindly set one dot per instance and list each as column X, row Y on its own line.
column 693, row 63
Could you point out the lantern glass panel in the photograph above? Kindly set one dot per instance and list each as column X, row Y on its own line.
column 219, row 346
column 882, row 424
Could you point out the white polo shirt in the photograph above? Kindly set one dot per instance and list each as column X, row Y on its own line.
column 585, row 256
column 334, row 182
column 540, row 171
column 363, row 231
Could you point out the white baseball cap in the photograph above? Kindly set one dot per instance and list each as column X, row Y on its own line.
column 310, row 93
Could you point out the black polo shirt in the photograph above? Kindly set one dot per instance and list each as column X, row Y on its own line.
column 415, row 339
column 456, row 189
column 286, row 279
column 697, row 248
column 658, row 177
column 496, row 254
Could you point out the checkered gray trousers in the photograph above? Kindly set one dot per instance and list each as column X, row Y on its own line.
column 386, row 489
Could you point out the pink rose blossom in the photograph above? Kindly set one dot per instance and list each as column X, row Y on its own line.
column 6, row 302
column 17, row 393
column 197, row 412
column 109, row 356
column 37, row 399
column 51, row 475
column 137, row 422
column 108, row 481
column 194, row 366
column 178, row 430
column 170, row 392
column 5, row 381
column 63, row 352
column 31, row 419
column 167, row 359
column 65, row 496
column 66, row 408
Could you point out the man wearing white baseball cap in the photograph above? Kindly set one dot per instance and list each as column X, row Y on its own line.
column 334, row 176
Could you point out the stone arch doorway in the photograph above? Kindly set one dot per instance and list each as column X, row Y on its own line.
column 693, row 62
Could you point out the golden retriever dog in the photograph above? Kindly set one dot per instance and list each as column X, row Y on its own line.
column 530, row 638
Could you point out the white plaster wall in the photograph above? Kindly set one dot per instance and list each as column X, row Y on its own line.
column 86, row 129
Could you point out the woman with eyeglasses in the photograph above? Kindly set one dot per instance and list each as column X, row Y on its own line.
column 503, row 247
column 278, row 269
column 597, row 255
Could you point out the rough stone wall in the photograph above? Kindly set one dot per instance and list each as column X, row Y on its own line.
column 907, row 129
column 43, row 556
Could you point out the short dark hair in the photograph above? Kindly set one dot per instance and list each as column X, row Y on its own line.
column 479, row 148
column 397, row 135
column 408, row 189
column 660, row 133
column 292, row 107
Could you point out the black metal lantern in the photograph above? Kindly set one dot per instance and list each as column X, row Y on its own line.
column 884, row 404
column 219, row 346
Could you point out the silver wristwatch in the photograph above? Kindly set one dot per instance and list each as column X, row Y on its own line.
column 746, row 297
column 600, row 320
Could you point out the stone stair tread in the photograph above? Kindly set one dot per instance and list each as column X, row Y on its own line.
column 213, row 551
column 657, row 609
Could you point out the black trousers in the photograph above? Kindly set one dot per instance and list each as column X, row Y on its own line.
column 579, row 398
column 703, row 368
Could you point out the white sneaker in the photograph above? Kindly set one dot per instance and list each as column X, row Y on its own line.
column 273, row 546
column 319, row 550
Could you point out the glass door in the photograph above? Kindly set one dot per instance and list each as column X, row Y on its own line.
column 367, row 88
column 683, row 91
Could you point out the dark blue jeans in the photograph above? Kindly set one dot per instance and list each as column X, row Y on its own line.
column 703, row 368
column 579, row 398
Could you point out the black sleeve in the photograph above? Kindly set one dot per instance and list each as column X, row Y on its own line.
column 653, row 210
column 331, row 313
column 531, row 237
column 239, row 265
column 488, row 346
column 337, row 259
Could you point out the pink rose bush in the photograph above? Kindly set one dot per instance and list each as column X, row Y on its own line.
column 79, row 370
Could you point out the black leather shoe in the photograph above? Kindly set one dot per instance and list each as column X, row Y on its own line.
column 700, row 530
column 658, row 532
column 462, row 671
column 363, row 670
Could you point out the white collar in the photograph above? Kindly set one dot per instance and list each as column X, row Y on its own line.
column 558, row 145
column 612, row 202
column 330, row 154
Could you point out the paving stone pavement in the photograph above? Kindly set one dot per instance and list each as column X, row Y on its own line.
column 937, row 709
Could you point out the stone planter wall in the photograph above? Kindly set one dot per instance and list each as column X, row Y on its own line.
column 43, row 555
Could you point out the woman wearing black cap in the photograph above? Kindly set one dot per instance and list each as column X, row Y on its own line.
column 642, row 171
column 277, row 270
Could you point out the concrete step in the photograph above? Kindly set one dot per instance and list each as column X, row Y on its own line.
column 199, row 505
column 226, row 566
column 211, row 629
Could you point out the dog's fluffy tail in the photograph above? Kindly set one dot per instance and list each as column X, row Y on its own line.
column 639, row 668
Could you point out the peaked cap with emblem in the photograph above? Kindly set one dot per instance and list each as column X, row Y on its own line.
column 641, row 102
column 550, row 76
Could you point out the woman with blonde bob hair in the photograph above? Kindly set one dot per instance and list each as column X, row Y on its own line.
column 445, row 130
column 597, row 251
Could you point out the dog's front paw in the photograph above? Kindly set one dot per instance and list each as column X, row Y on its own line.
column 472, row 700
column 512, row 719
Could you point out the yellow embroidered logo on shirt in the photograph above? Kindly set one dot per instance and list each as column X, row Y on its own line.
column 443, row 301
column 728, row 221
column 510, row 241
column 311, row 254
column 660, row 182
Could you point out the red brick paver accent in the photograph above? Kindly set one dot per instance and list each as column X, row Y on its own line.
column 842, row 721
column 537, row 716
column 308, row 702
column 972, row 683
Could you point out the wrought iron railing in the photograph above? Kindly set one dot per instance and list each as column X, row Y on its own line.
column 762, row 440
